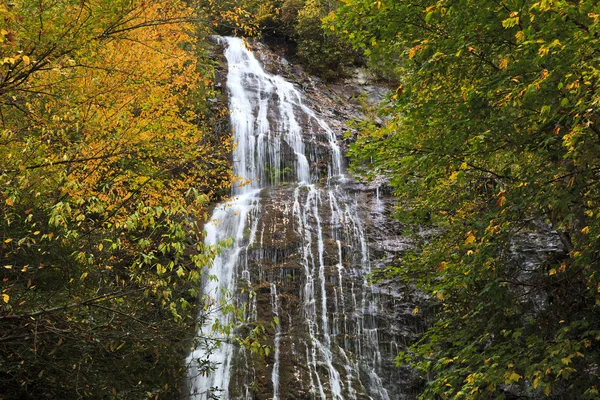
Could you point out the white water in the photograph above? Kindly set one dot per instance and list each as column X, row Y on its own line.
column 252, row 94
column 276, row 342
column 274, row 131
column 228, row 221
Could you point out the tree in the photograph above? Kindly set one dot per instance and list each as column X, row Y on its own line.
column 320, row 49
column 492, row 137
column 108, row 162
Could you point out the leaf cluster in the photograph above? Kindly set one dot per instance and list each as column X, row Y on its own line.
column 492, row 142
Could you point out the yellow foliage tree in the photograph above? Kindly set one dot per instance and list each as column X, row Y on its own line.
column 107, row 162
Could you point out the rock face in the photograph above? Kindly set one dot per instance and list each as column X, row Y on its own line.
column 306, row 237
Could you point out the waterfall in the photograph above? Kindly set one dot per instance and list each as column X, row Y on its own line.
column 276, row 343
column 298, row 241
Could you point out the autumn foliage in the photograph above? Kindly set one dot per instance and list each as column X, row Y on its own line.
column 108, row 160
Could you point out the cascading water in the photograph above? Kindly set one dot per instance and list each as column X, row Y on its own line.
column 300, row 244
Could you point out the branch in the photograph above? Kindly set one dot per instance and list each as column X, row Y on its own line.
column 482, row 58
column 77, row 160
column 113, row 30
column 510, row 178
column 139, row 321
column 100, row 298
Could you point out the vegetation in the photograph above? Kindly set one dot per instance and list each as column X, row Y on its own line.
column 107, row 164
column 492, row 139
column 110, row 155
column 321, row 51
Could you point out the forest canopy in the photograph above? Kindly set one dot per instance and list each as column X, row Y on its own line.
column 109, row 157
column 492, row 140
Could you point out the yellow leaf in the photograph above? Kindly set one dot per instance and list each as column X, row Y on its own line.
column 26, row 60
column 552, row 272
column 563, row 267
column 8, row 240
column 470, row 238
column 453, row 176
column 501, row 199
column 503, row 64
column 514, row 377
column 5, row 297
column 83, row 276
column 413, row 51
column 400, row 89
column 10, row 202
column 416, row 311
column 585, row 230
